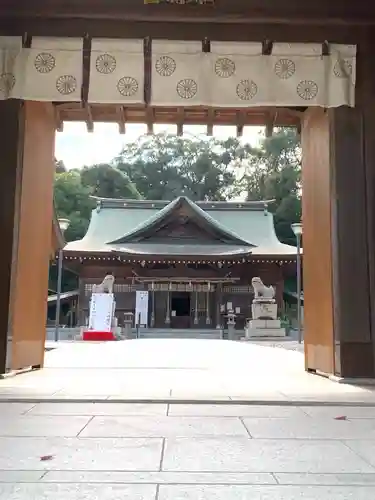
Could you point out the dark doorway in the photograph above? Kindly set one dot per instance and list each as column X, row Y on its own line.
column 180, row 310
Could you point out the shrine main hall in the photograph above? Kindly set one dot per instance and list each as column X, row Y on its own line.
column 195, row 259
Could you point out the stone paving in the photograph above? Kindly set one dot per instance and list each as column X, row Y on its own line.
column 94, row 451
column 78, row 430
column 179, row 370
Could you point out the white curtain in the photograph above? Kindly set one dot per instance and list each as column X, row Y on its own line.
column 178, row 74
column 234, row 75
column 51, row 70
column 10, row 49
column 116, row 71
column 238, row 75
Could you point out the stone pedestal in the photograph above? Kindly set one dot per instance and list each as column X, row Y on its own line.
column 264, row 322
column 264, row 310
column 264, row 328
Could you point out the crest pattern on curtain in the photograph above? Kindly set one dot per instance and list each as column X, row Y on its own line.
column 178, row 74
column 231, row 75
column 116, row 71
column 51, row 70
column 237, row 75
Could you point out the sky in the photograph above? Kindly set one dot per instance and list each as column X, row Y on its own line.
column 77, row 147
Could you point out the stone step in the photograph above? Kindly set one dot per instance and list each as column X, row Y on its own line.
column 178, row 334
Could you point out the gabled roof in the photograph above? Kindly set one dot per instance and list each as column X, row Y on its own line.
column 241, row 228
column 156, row 221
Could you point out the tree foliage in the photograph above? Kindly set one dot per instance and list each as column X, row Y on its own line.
column 108, row 182
column 273, row 172
column 163, row 167
column 73, row 202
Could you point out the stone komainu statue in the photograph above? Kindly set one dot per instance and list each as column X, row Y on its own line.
column 261, row 291
column 106, row 286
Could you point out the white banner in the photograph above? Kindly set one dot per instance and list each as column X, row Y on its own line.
column 117, row 71
column 101, row 312
column 51, row 70
column 141, row 308
column 179, row 74
column 232, row 75
column 294, row 75
column 10, row 49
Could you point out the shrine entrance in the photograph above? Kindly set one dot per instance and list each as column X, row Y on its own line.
column 77, row 66
column 181, row 310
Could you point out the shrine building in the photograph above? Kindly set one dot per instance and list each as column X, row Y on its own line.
column 196, row 260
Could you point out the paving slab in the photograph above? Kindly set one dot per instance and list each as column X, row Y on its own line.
column 230, row 454
column 233, row 410
column 7, row 408
column 159, row 426
column 364, row 449
column 20, row 476
column 80, row 454
column 188, row 492
column 326, row 479
column 351, row 412
column 159, row 477
column 28, row 425
column 313, row 428
column 92, row 409
column 76, row 492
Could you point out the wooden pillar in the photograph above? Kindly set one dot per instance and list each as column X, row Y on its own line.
column 11, row 130
column 339, row 335
column 27, row 135
column 339, row 231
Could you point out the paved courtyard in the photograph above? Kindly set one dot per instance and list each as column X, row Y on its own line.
column 178, row 370
column 119, row 451
column 78, row 430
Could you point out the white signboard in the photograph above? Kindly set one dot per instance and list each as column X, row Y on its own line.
column 101, row 312
column 141, row 307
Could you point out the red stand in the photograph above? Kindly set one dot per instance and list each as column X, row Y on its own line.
column 95, row 336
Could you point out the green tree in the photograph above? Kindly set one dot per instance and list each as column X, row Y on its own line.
column 72, row 201
column 163, row 167
column 273, row 172
column 108, row 182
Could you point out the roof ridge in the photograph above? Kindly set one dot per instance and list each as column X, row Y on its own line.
column 126, row 203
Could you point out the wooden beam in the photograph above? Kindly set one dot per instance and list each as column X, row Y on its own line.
column 191, row 116
column 239, row 11
column 219, row 31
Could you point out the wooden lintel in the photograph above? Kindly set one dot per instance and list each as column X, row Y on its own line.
column 108, row 113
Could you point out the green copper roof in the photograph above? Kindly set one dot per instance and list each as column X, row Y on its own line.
column 248, row 227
